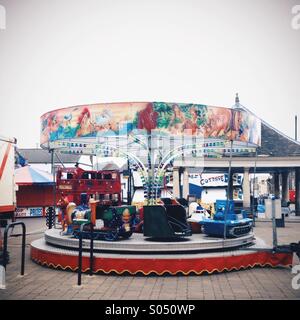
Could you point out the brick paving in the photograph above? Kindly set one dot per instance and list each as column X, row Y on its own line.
column 43, row 283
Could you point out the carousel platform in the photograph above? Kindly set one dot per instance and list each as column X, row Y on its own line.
column 140, row 256
column 137, row 243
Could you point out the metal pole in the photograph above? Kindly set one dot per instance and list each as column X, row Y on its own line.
column 54, row 187
column 91, row 249
column 228, row 189
column 5, row 247
column 150, row 171
column 129, row 183
column 274, row 225
column 296, row 128
column 79, row 259
column 180, row 171
column 23, row 249
column 253, row 189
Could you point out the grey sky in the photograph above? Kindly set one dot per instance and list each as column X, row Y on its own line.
column 57, row 53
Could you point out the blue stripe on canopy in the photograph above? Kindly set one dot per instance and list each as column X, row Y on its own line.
column 38, row 178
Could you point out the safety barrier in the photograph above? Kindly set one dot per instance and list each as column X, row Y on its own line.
column 5, row 254
column 91, row 233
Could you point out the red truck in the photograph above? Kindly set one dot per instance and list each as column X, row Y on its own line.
column 103, row 185
column 7, row 181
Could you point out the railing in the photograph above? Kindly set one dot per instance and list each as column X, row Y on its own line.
column 23, row 245
column 81, row 232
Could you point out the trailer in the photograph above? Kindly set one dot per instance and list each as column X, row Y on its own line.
column 7, row 181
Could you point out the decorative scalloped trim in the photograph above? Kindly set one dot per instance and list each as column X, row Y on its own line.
column 257, row 264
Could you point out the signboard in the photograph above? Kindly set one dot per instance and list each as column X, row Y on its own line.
column 29, row 212
column 213, row 180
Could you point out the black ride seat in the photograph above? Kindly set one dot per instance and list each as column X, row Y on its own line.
column 165, row 222
column 177, row 217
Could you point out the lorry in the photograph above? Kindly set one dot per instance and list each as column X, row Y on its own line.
column 93, row 197
column 7, row 183
column 105, row 185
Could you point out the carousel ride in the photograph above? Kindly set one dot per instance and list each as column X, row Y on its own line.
column 159, row 236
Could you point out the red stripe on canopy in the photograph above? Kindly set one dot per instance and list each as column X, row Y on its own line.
column 29, row 176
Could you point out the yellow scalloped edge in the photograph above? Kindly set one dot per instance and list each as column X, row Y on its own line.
column 257, row 264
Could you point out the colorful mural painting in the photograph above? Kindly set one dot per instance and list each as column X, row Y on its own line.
column 119, row 119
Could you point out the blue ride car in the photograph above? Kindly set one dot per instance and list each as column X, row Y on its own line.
column 236, row 225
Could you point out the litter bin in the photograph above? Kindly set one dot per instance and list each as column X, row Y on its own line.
column 280, row 222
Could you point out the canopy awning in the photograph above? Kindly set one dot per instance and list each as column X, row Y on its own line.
column 30, row 176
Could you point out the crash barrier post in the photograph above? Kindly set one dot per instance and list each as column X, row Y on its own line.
column 23, row 244
column 80, row 251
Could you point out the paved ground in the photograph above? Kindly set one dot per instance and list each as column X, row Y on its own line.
column 44, row 283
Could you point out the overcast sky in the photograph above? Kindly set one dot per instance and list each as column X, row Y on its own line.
column 57, row 53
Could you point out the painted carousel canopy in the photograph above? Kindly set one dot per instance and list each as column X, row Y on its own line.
column 78, row 128
column 151, row 135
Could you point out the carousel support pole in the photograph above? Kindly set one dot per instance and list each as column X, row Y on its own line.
column 181, row 169
column 230, row 184
column 150, row 171
column 54, row 187
column 228, row 188
column 51, row 210
column 253, row 191
column 129, row 183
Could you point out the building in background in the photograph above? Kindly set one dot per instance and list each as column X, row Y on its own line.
column 41, row 159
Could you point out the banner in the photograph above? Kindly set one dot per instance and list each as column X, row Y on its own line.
column 22, row 212
column 214, row 180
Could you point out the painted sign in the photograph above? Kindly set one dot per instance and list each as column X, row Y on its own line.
column 29, row 212
column 120, row 119
column 22, row 212
column 213, row 180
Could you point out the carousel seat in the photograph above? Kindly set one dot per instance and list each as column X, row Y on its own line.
column 165, row 222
